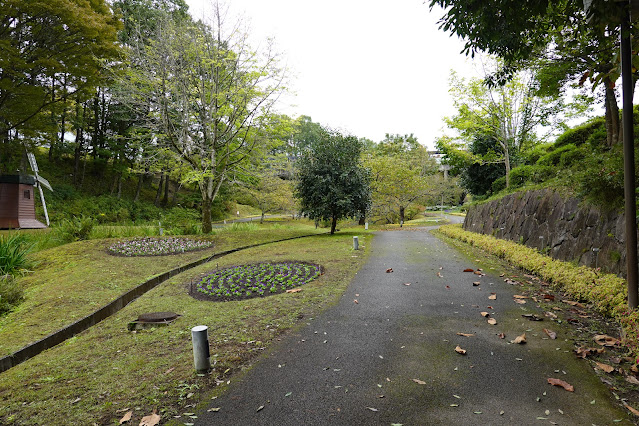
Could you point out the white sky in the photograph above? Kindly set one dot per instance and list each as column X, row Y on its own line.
column 367, row 67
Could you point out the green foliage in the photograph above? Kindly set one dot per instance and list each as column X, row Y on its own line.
column 521, row 175
column 331, row 183
column 14, row 254
column 478, row 177
column 607, row 292
column 11, row 294
column 77, row 228
column 580, row 134
column 556, row 157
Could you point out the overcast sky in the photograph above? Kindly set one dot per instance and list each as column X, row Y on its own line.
column 367, row 67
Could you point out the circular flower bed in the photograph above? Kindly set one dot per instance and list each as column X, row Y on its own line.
column 254, row 280
column 153, row 246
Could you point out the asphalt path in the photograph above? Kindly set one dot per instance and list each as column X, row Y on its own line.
column 385, row 354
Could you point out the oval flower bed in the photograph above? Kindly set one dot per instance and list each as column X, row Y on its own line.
column 254, row 280
column 153, row 246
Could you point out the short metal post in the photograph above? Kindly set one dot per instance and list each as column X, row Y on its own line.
column 355, row 243
column 366, row 226
column 201, row 354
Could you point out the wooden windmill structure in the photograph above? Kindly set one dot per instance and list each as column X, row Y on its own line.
column 17, row 199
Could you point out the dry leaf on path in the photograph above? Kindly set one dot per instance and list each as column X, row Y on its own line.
column 355, row 301
column 493, row 296
column 550, row 315
column 519, row 296
column 419, row 382
column 559, row 382
column 406, row 283
column 459, row 350
column 294, row 290
column 439, row 274
column 501, row 335
column 605, row 340
column 605, row 367
column 126, row 417
column 519, row 339
column 389, row 270
column 532, row 317
column 492, row 321
column 469, row 270
column 521, row 302
column 632, row 410
column 549, row 297
column 150, row 420
column 372, row 409
column 550, row 333
column 583, row 351
column 476, row 283
column 572, row 303
column 485, row 314
column 632, row 379
column 465, row 334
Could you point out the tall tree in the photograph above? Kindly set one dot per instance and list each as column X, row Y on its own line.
column 51, row 49
column 331, row 182
column 205, row 95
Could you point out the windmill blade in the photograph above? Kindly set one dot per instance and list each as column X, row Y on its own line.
column 32, row 162
column 43, row 182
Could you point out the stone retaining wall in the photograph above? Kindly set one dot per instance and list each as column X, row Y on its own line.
column 559, row 227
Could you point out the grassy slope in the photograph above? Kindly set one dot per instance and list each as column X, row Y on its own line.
column 107, row 370
column 74, row 280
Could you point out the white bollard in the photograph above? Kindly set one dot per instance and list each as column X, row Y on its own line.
column 366, row 226
column 355, row 243
column 201, row 354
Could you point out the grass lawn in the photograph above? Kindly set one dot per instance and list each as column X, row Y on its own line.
column 106, row 371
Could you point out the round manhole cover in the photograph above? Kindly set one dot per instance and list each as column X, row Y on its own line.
column 158, row 317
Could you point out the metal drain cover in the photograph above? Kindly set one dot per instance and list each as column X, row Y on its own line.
column 158, row 317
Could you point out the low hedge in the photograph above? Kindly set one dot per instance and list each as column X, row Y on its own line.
column 606, row 292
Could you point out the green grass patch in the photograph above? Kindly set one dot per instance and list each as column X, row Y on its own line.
column 74, row 280
column 100, row 374
column 606, row 292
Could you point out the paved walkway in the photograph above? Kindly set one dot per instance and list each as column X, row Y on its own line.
column 390, row 358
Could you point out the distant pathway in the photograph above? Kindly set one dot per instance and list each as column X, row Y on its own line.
column 385, row 354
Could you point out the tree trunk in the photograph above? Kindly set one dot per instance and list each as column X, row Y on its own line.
column 165, row 200
column 362, row 220
column 507, row 163
column 333, row 224
column 207, row 227
column 614, row 131
column 159, row 191
column 401, row 215
column 138, row 188
column 175, row 193
column 262, row 218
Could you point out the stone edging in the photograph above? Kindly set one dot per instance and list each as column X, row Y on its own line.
column 111, row 308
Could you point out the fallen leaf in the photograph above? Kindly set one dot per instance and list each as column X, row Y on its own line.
column 605, row 340
column 605, row 367
column 532, row 317
column 169, row 370
column 559, row 382
column 448, row 287
column 260, row 408
column 550, row 315
column 583, row 352
column 489, row 307
column 469, row 270
column 501, row 335
column 476, row 283
column 519, row 296
column 485, row 314
column 214, row 410
column 355, row 301
column 419, row 382
column 459, row 350
column 502, row 275
column 406, row 283
column 632, row 379
column 478, row 273
column 492, row 321
column 521, row 302
column 465, row 334
column 372, row 409
column 519, row 339
column 150, row 420
column 126, row 417
column 632, row 410
column 549, row 297
column 294, row 290
column 492, row 297
column 572, row 303
column 389, row 270
column 439, row 274
column 550, row 333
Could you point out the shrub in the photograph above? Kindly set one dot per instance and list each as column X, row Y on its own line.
column 521, row 175
column 75, row 229
column 553, row 157
column 580, row 134
column 14, row 254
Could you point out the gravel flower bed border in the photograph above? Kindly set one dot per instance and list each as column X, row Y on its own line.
column 247, row 281
column 157, row 246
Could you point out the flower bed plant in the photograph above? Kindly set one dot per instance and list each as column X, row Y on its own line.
column 154, row 246
column 255, row 280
